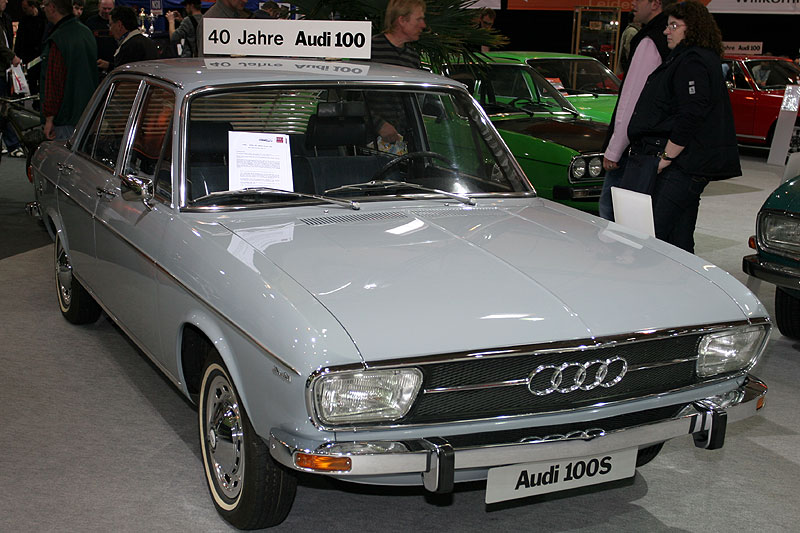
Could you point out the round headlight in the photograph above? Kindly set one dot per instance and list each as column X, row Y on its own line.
column 595, row 167
column 578, row 168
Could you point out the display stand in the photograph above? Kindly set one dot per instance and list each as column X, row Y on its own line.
column 595, row 33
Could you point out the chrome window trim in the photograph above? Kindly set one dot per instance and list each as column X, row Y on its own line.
column 445, row 85
column 517, row 351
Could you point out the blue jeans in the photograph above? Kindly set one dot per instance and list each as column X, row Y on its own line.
column 676, row 200
column 612, row 179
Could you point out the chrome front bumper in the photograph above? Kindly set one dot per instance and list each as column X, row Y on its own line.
column 437, row 460
column 780, row 275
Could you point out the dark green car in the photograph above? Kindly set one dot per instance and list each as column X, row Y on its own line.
column 777, row 257
column 559, row 149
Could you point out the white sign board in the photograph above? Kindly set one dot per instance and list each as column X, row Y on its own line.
column 742, row 48
column 784, row 127
column 755, row 7
column 259, row 160
column 292, row 38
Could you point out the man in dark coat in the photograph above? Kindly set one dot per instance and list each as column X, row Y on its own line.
column 30, row 37
column 99, row 24
column 133, row 44
column 69, row 70
column 7, row 58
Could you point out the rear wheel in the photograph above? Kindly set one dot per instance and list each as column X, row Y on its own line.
column 249, row 489
column 787, row 313
column 76, row 304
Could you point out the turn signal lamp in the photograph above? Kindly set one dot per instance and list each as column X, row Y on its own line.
column 760, row 402
column 323, row 463
column 751, row 242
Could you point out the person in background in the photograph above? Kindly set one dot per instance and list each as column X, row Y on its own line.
column 485, row 19
column 686, row 103
column 403, row 22
column 99, row 24
column 77, row 8
column 222, row 9
column 69, row 70
column 30, row 34
column 268, row 10
column 648, row 51
column 133, row 44
column 7, row 58
column 186, row 32
column 625, row 39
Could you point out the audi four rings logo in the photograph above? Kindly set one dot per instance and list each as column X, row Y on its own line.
column 569, row 377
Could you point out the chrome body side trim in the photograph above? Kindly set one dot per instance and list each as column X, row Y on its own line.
column 422, row 457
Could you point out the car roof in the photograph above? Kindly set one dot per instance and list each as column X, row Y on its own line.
column 756, row 58
column 523, row 56
column 195, row 73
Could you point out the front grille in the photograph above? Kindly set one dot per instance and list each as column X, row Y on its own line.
column 553, row 432
column 654, row 366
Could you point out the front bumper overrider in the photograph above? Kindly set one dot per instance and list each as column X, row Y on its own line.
column 438, row 461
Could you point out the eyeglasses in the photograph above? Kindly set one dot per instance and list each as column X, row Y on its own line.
column 672, row 26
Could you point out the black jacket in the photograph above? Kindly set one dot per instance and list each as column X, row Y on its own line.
column 137, row 48
column 685, row 100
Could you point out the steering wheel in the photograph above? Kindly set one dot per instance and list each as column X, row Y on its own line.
column 408, row 157
column 524, row 99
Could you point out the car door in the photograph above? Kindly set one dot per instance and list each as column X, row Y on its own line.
column 84, row 174
column 131, row 217
column 743, row 99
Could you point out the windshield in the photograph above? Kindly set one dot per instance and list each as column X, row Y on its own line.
column 503, row 88
column 770, row 74
column 245, row 145
column 577, row 76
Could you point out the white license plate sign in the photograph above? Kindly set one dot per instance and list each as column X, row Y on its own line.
column 523, row 480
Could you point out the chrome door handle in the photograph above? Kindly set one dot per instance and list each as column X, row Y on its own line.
column 66, row 169
column 108, row 193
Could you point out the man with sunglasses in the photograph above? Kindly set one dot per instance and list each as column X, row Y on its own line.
column 648, row 49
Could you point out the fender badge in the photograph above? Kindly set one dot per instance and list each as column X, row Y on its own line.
column 283, row 375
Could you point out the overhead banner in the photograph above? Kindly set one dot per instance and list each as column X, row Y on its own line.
column 287, row 38
column 763, row 7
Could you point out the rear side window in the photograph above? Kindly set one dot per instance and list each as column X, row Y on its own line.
column 103, row 140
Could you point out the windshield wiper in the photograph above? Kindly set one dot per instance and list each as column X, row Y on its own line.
column 355, row 206
column 385, row 184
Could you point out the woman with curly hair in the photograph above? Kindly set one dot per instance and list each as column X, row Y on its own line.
column 682, row 133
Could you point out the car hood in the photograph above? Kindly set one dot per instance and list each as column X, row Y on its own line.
column 580, row 134
column 412, row 281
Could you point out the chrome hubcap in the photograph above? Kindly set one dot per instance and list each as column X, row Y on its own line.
column 63, row 276
column 225, row 437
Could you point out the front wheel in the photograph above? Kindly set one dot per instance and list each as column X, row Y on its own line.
column 249, row 489
column 787, row 313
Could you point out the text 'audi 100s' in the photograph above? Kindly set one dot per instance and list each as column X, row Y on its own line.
column 402, row 311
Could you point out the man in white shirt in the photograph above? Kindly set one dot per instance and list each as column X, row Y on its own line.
column 648, row 50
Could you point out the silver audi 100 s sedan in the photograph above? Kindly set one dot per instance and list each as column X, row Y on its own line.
column 398, row 310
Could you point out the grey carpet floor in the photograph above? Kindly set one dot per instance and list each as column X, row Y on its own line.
column 92, row 438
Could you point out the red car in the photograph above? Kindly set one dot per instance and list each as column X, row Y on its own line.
column 756, row 85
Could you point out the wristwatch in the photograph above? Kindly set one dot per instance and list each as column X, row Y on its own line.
column 665, row 157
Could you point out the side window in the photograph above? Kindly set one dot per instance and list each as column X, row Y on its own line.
column 740, row 82
column 103, row 140
column 151, row 149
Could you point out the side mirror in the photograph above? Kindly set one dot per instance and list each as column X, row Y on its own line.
column 137, row 188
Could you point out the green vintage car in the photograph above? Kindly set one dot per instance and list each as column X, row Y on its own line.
column 777, row 257
column 587, row 83
column 559, row 148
